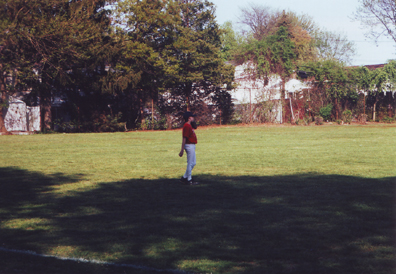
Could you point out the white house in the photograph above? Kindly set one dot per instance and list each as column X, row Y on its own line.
column 251, row 90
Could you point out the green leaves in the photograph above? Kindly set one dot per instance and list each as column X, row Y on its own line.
column 273, row 55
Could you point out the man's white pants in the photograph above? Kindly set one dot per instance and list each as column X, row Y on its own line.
column 191, row 160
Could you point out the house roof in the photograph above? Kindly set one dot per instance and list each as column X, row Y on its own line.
column 373, row 67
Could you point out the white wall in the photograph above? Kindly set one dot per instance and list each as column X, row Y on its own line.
column 20, row 117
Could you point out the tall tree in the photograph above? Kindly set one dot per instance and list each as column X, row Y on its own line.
column 380, row 81
column 383, row 79
column 332, row 83
column 365, row 83
column 322, row 45
column 311, row 42
column 260, row 20
column 50, row 38
column 334, row 46
column 275, row 54
column 230, row 40
column 147, row 30
column 169, row 46
column 378, row 17
column 196, row 52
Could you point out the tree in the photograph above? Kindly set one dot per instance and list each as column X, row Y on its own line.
column 230, row 40
column 365, row 83
column 276, row 54
column 333, row 46
column 333, row 84
column 173, row 47
column 147, row 31
column 260, row 20
column 380, row 80
column 311, row 42
column 48, row 40
column 391, row 70
column 196, row 53
column 383, row 79
column 378, row 17
column 320, row 44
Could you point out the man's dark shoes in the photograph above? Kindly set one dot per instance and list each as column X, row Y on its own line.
column 187, row 182
column 192, row 183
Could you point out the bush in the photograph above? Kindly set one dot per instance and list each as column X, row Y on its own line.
column 318, row 120
column 362, row 118
column 325, row 112
column 110, row 124
column 160, row 124
column 102, row 123
column 347, row 116
column 307, row 120
column 388, row 120
column 66, row 127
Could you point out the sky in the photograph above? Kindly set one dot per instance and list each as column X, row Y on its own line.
column 331, row 15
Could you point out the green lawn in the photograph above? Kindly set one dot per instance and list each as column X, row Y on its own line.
column 272, row 199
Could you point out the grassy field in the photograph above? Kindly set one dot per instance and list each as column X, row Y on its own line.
column 272, row 199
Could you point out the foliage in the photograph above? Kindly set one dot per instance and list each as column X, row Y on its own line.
column 325, row 112
column 65, row 38
column 318, row 120
column 174, row 47
column 382, row 79
column 334, row 83
column 388, row 119
column 347, row 116
column 230, row 40
column 311, row 42
column 274, row 55
column 265, row 112
column 102, row 123
column 196, row 53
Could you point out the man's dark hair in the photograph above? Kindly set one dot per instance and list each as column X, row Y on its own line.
column 187, row 115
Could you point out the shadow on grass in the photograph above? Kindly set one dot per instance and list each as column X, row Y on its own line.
column 305, row 223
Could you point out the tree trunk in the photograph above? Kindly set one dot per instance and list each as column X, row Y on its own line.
column 46, row 115
column 3, row 100
column 394, row 104
column 2, row 107
column 283, row 99
column 2, row 113
column 188, row 102
column 152, row 113
column 250, row 107
column 291, row 111
column 142, row 120
column 375, row 104
column 389, row 98
column 187, row 93
column 220, row 115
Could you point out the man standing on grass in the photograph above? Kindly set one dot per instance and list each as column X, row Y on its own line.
column 188, row 144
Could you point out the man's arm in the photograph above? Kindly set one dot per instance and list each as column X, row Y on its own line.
column 182, row 147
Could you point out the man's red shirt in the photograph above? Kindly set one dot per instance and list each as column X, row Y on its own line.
column 189, row 134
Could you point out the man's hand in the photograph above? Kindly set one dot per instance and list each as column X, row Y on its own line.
column 181, row 153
